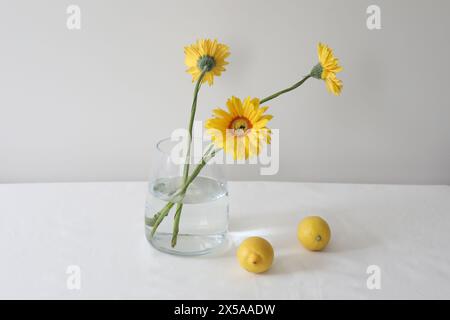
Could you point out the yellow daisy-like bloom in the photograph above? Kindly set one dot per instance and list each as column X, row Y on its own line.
column 242, row 130
column 327, row 68
column 207, row 55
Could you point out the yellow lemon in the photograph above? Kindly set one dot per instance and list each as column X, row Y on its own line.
column 314, row 233
column 255, row 254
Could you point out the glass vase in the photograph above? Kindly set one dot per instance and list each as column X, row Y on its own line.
column 203, row 223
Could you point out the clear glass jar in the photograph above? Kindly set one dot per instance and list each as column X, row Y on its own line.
column 204, row 219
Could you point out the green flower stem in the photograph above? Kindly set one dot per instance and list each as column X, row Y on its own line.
column 206, row 157
column 176, row 223
column 157, row 219
column 191, row 124
column 279, row 93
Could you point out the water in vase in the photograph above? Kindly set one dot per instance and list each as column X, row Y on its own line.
column 204, row 219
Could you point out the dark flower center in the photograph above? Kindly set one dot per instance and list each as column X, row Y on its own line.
column 240, row 125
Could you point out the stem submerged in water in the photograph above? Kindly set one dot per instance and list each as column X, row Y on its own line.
column 157, row 219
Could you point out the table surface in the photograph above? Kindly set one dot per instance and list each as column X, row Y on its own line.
column 402, row 230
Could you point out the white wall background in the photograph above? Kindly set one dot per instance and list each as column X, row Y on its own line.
column 89, row 105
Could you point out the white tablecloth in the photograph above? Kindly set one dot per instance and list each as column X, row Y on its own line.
column 403, row 230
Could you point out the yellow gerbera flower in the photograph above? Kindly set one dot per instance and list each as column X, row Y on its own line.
column 327, row 68
column 242, row 130
column 207, row 55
